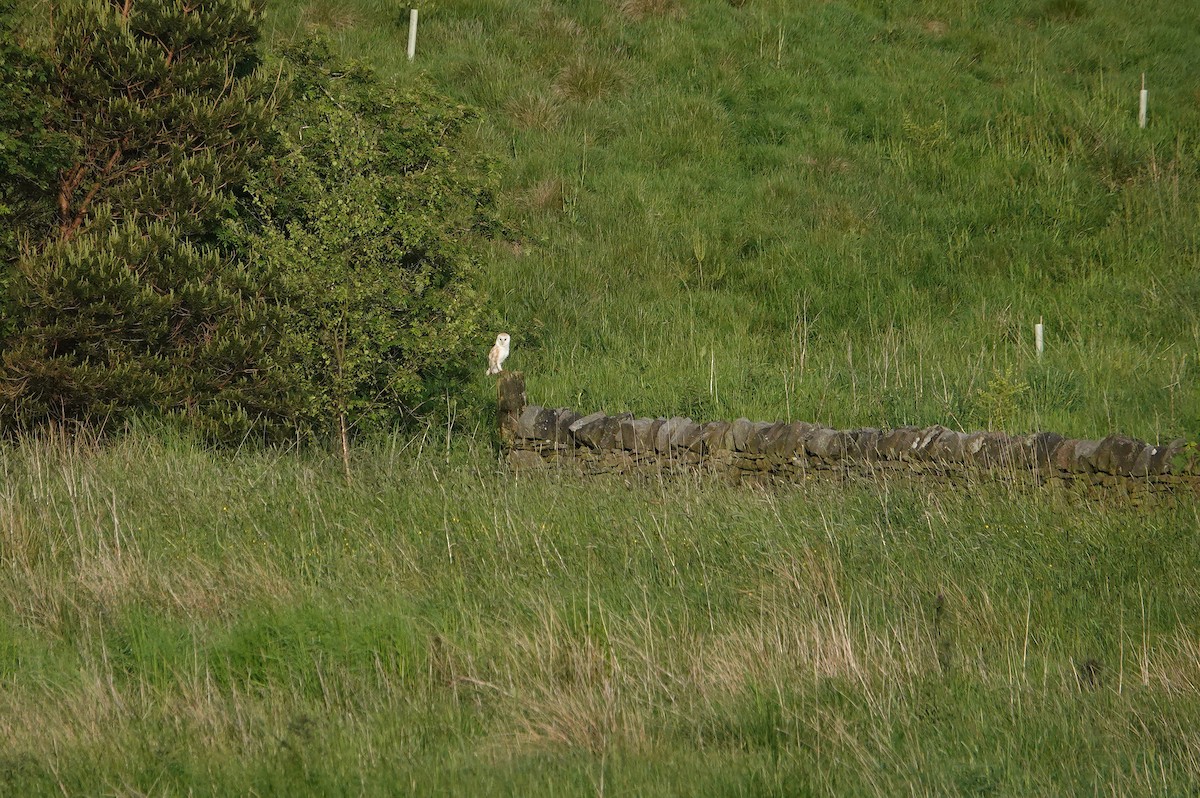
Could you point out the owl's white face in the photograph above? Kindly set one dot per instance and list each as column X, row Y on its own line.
column 502, row 341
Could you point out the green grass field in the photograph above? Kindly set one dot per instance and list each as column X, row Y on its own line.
column 846, row 212
column 178, row 622
column 851, row 213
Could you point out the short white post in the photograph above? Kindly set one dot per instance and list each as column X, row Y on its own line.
column 1143, row 97
column 412, row 34
column 1039, row 341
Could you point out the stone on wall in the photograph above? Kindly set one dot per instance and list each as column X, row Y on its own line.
column 716, row 436
column 587, row 430
column 820, row 443
column 1084, row 456
column 686, row 433
column 635, row 435
column 899, row 443
column 538, row 423
column 741, row 431
column 563, row 419
column 1117, row 454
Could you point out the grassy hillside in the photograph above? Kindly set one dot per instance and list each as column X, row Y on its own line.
column 851, row 212
column 175, row 622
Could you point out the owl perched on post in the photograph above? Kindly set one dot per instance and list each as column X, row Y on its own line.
column 499, row 353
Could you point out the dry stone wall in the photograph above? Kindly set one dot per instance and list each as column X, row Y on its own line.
column 774, row 452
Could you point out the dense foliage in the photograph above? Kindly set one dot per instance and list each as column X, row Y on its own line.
column 129, row 305
column 31, row 152
column 361, row 214
column 253, row 251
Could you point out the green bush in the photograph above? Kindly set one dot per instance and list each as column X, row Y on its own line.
column 255, row 252
column 364, row 216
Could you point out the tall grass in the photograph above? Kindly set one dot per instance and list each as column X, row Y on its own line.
column 848, row 212
column 177, row 622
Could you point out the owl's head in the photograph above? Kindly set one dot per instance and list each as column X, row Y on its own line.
column 502, row 340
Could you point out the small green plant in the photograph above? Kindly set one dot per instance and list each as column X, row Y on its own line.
column 999, row 402
column 1187, row 459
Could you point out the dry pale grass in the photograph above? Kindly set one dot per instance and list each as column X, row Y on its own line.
column 639, row 10
column 329, row 15
column 545, row 196
column 558, row 687
column 100, row 711
column 935, row 27
column 591, row 719
column 804, row 630
column 534, row 111
column 79, row 716
column 588, row 80
column 109, row 578
column 1172, row 664
column 552, row 25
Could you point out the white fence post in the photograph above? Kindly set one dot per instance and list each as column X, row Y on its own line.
column 1143, row 97
column 412, row 34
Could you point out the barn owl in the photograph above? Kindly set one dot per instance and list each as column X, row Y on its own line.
column 498, row 354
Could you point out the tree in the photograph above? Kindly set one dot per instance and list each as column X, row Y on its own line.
column 31, row 152
column 136, row 303
column 365, row 215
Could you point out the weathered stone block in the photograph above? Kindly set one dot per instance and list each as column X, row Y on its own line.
column 510, row 390
column 587, row 430
column 536, row 423
column 754, row 443
column 764, row 434
column 1064, row 455
column 1117, row 454
column 711, row 435
column 973, row 444
column 611, row 433
column 1160, row 461
column 792, row 442
column 775, row 442
column 947, row 447
column 522, row 460
column 1084, row 456
column 820, row 442
column 1142, row 468
column 685, row 434
column 1037, row 450
column 563, row 419
column 929, row 435
column 628, row 437
column 662, row 440
column 741, row 431
column 898, row 444
column 863, row 444
column 996, row 451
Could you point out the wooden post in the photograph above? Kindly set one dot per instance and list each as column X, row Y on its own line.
column 510, row 392
column 1039, row 341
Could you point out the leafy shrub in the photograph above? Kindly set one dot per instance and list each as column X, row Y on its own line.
column 362, row 216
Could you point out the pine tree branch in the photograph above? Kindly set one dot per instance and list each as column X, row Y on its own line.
column 68, row 229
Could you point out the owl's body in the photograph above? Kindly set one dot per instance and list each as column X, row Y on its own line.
column 498, row 354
